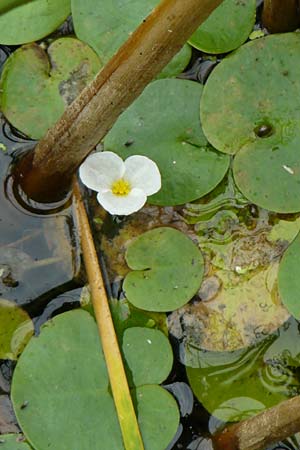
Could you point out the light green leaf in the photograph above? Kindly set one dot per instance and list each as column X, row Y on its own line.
column 13, row 442
column 38, row 86
column 23, row 21
column 226, row 28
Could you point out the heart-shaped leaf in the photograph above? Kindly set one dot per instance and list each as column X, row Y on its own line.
column 167, row 270
column 262, row 130
column 226, row 28
column 37, row 87
column 16, row 328
column 73, row 391
column 289, row 278
column 28, row 21
column 152, row 344
column 163, row 124
column 105, row 27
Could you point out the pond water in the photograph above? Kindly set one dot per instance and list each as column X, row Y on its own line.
column 40, row 270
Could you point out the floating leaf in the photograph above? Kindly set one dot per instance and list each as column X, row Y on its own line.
column 226, row 28
column 235, row 385
column 167, row 270
column 158, row 416
column 143, row 349
column 67, row 357
column 107, row 25
column 31, row 20
column 263, row 130
column 289, row 278
column 37, row 87
column 13, row 442
column 16, row 328
column 163, row 124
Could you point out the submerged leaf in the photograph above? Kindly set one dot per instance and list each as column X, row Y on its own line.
column 16, row 328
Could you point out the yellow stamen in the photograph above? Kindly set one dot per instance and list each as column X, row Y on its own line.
column 121, row 187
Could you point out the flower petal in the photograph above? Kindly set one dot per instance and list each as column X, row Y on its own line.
column 142, row 173
column 101, row 169
column 122, row 205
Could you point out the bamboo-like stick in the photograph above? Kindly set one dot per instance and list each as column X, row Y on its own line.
column 280, row 16
column 87, row 120
column 127, row 419
column 262, row 430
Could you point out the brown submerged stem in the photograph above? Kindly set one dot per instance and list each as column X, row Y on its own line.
column 280, row 16
column 87, row 120
column 262, row 430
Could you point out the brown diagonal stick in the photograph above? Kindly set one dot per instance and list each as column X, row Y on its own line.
column 262, row 430
column 127, row 419
column 87, row 120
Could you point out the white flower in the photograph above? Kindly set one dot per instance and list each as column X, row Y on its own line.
column 122, row 186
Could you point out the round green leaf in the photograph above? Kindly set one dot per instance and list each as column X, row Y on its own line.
column 37, row 87
column 16, row 328
column 106, row 25
column 32, row 21
column 167, row 270
column 252, row 93
column 148, row 354
column 73, row 391
column 13, row 442
column 289, row 278
column 262, row 129
column 226, row 28
column 268, row 174
column 235, row 385
column 163, row 124
column 158, row 416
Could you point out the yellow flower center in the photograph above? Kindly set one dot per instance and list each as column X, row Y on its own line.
column 121, row 187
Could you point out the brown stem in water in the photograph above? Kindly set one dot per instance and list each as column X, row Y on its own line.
column 280, row 16
column 262, row 430
column 87, row 120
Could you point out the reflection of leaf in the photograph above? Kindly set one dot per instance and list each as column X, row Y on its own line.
column 167, row 270
column 67, row 357
column 236, row 385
